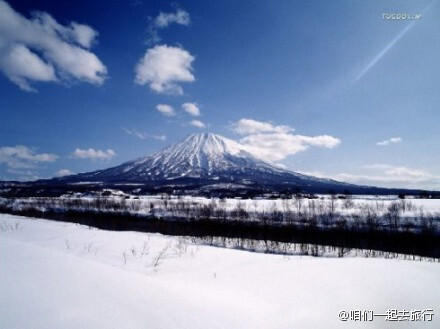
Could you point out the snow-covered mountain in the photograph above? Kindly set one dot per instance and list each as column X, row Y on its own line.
column 207, row 161
column 203, row 155
column 202, row 164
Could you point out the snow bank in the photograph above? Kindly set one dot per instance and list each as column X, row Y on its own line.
column 59, row 275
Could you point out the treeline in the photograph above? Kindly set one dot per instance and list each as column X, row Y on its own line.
column 329, row 214
column 303, row 249
column 373, row 227
column 396, row 227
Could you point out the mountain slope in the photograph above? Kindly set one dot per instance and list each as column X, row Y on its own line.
column 207, row 161
column 202, row 156
column 202, row 164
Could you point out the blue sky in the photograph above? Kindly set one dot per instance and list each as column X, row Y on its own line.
column 330, row 88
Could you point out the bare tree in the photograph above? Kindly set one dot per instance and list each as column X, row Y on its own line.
column 124, row 257
column 159, row 257
column 393, row 215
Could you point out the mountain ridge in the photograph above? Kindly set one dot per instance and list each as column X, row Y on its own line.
column 205, row 163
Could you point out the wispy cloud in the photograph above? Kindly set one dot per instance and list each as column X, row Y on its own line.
column 390, row 45
column 384, row 51
column 180, row 17
column 143, row 135
column 164, row 20
column 392, row 140
column 40, row 49
column 134, row 132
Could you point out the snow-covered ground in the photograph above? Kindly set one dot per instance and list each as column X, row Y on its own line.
column 62, row 275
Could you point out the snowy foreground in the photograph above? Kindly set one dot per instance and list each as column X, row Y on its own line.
column 62, row 275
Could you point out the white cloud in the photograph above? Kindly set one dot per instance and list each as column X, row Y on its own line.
column 387, row 175
column 83, row 34
column 197, row 123
column 250, row 126
column 162, row 67
column 399, row 177
column 41, row 49
column 274, row 143
column 180, row 17
column 166, row 110
column 277, row 146
column 398, row 171
column 392, row 140
column 407, row 173
column 93, row 154
column 19, row 157
column 191, row 108
column 64, row 172
column 19, row 64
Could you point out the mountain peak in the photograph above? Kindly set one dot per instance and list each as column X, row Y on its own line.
column 209, row 144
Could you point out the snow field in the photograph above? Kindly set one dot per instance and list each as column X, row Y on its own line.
column 62, row 275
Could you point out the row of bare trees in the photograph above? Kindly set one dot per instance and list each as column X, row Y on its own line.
column 305, row 249
column 331, row 213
